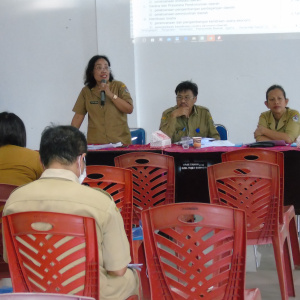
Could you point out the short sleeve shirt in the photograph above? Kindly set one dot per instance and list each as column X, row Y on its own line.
column 19, row 165
column 106, row 124
column 200, row 123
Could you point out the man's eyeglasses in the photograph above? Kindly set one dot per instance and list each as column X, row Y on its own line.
column 185, row 98
column 99, row 69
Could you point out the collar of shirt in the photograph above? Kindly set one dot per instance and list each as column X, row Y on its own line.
column 195, row 110
column 281, row 122
column 95, row 91
column 60, row 173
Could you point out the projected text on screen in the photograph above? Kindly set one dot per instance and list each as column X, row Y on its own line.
column 153, row 18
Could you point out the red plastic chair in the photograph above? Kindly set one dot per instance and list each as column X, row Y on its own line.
column 286, row 213
column 195, row 259
column 60, row 258
column 254, row 187
column 118, row 183
column 153, row 179
column 36, row 257
column 5, row 191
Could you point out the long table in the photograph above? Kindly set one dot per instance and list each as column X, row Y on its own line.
column 191, row 164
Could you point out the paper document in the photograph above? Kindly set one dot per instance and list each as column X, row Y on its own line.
column 135, row 266
column 206, row 140
column 217, row 143
column 104, row 146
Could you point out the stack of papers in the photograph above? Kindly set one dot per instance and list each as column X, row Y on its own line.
column 104, row 146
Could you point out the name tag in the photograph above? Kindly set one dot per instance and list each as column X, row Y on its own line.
column 94, row 102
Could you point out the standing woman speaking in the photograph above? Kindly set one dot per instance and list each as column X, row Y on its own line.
column 107, row 102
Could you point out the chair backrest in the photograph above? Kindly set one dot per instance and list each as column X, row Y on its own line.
column 5, row 191
column 195, row 258
column 153, row 178
column 52, row 253
column 223, row 132
column 41, row 296
column 118, row 183
column 263, row 155
column 250, row 186
column 138, row 136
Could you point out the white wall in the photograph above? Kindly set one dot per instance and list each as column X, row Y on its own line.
column 45, row 46
column 113, row 32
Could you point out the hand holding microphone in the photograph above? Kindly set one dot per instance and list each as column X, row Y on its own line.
column 102, row 94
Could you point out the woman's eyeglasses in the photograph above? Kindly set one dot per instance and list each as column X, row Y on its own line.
column 99, row 69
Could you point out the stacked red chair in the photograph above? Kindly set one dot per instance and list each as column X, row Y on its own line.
column 255, row 188
column 196, row 251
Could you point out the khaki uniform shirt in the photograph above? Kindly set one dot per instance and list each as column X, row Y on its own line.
column 19, row 165
column 200, row 123
column 106, row 124
column 289, row 123
column 60, row 191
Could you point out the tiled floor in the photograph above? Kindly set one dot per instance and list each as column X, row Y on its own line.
column 266, row 279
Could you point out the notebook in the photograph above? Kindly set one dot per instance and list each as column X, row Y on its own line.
column 267, row 143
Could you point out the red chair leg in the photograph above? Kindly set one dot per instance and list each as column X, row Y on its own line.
column 288, row 270
column 284, row 270
column 294, row 242
column 139, row 257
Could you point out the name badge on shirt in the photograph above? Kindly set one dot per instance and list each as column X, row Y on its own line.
column 94, row 102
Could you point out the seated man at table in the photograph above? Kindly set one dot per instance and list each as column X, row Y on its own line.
column 63, row 150
column 279, row 122
column 186, row 118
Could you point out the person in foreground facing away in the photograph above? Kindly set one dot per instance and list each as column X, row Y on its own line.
column 107, row 123
column 18, row 165
column 63, row 150
column 280, row 122
column 186, row 118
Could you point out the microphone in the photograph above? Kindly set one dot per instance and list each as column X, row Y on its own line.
column 102, row 94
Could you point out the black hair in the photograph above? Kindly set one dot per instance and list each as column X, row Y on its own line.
column 273, row 87
column 89, row 79
column 63, row 144
column 12, row 130
column 187, row 85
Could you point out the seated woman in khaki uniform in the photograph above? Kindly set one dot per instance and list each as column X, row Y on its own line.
column 18, row 164
column 280, row 122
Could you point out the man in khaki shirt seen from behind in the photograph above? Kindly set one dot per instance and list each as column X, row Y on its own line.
column 62, row 151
